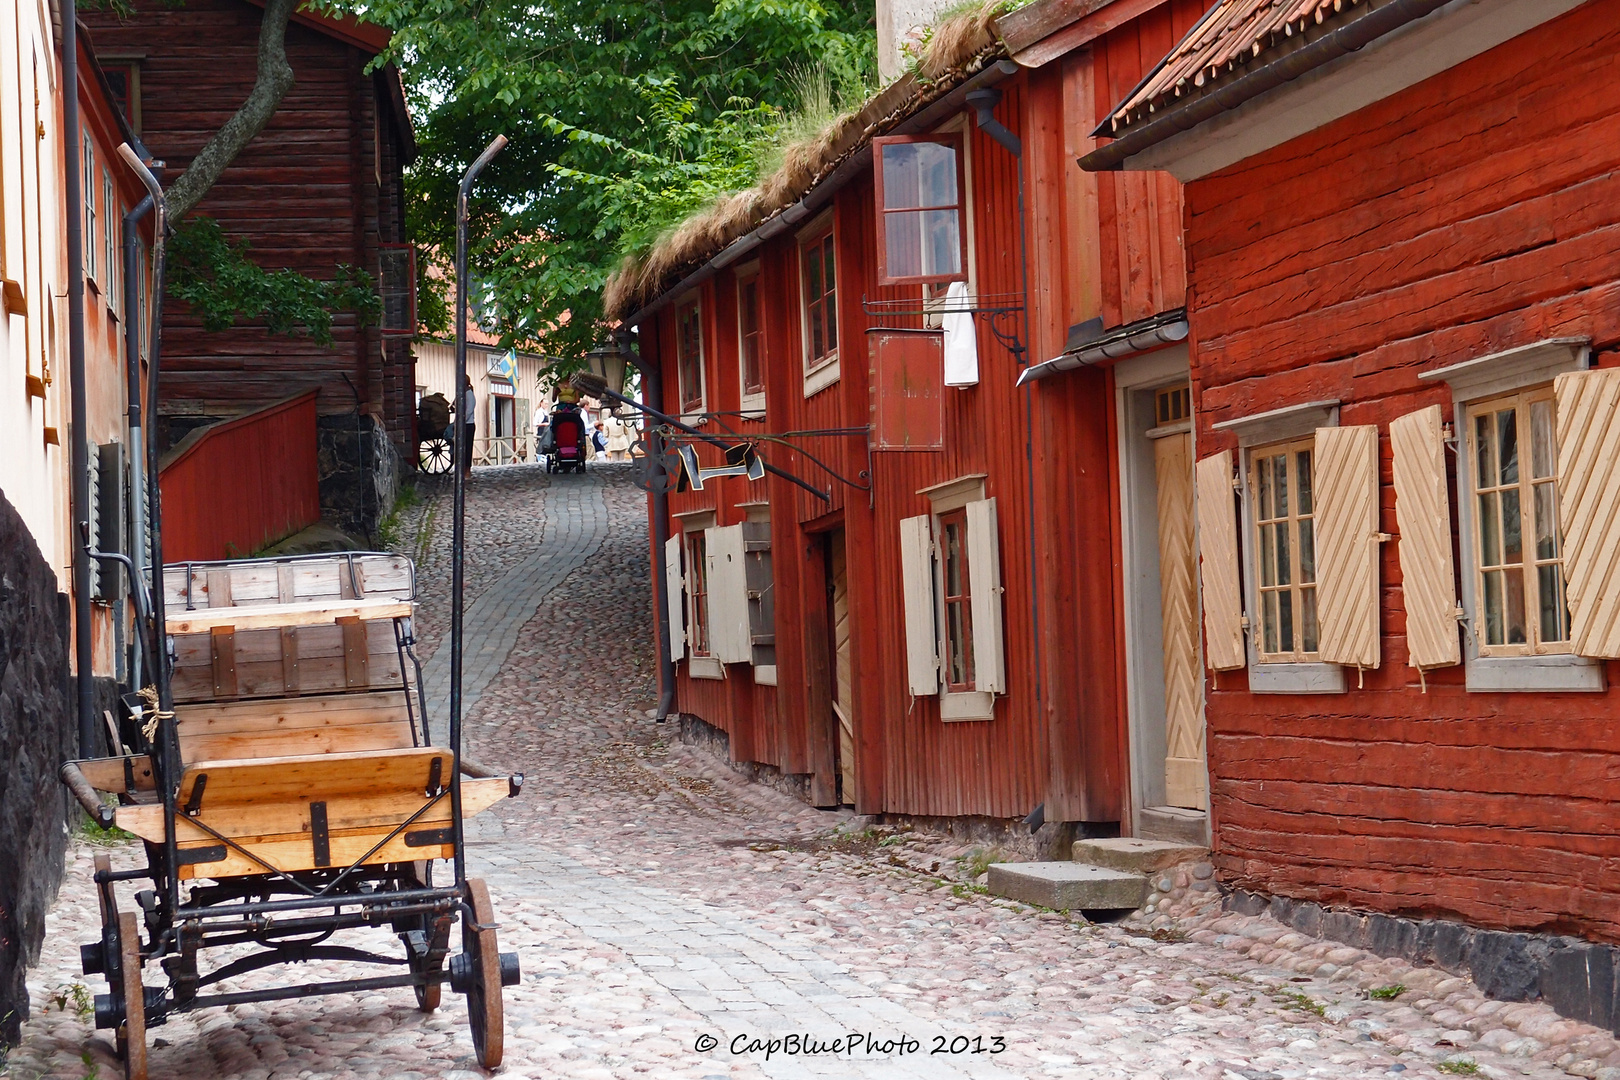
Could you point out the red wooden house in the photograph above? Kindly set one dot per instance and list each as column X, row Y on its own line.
column 321, row 186
column 924, row 330
column 1400, row 230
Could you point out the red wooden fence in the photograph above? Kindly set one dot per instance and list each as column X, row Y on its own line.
column 232, row 488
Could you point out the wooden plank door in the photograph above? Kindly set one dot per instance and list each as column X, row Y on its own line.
column 844, row 690
column 1185, row 777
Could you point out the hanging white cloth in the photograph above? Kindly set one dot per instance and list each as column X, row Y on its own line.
column 961, row 343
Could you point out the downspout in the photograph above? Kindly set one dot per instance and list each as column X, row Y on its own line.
column 79, row 409
column 132, row 364
column 652, row 396
column 984, row 101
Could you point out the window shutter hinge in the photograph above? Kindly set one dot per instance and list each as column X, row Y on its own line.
column 1456, row 613
column 1383, row 537
column 1243, row 621
column 1237, row 482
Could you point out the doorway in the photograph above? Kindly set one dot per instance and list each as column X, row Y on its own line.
column 843, row 698
column 1169, row 775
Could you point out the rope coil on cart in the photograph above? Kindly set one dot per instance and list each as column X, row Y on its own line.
column 149, row 694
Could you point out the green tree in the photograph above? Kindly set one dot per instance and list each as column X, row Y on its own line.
column 623, row 117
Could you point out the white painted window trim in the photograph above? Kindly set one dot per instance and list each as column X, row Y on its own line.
column 1263, row 429
column 694, row 298
column 1476, row 380
column 943, row 499
column 698, row 667
column 752, row 405
column 825, row 373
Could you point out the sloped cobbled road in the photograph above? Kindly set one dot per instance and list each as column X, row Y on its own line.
column 676, row 921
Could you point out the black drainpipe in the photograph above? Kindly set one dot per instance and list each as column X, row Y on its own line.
column 79, row 409
column 137, row 443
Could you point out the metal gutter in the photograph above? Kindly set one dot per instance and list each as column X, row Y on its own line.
column 823, row 191
column 1325, row 49
column 1131, row 339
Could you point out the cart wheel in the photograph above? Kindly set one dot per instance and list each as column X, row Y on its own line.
column 434, row 456
column 132, row 1033
column 484, row 987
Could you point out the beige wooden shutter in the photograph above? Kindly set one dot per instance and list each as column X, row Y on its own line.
column 1218, row 566
column 1423, row 515
column 917, row 581
column 1588, row 408
column 729, row 636
column 984, row 584
column 675, row 585
column 1345, row 505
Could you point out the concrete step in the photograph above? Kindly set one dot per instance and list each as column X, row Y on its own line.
column 1173, row 823
column 1134, row 854
column 1068, row 886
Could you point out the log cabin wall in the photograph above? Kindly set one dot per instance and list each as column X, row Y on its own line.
column 320, row 186
column 1469, row 214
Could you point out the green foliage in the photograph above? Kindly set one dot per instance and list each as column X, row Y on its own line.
column 623, row 117
column 1459, row 1067
column 74, row 996
column 213, row 274
column 1386, row 993
column 1293, row 999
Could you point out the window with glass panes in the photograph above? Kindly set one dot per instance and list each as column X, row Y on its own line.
column 87, row 178
column 1519, row 576
column 697, row 592
column 919, row 197
column 689, row 354
column 751, row 342
column 958, row 600
column 820, row 301
column 1285, row 551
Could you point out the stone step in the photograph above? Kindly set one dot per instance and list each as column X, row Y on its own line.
column 1068, row 886
column 1134, row 854
column 1174, row 823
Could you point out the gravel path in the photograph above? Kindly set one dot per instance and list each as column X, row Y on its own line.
column 673, row 919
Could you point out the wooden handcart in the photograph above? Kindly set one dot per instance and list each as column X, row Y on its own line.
column 293, row 790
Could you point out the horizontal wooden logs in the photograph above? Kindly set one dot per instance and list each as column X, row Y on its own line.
column 271, row 616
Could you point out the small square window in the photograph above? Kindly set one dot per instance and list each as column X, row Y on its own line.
column 1518, row 550
column 920, row 184
column 1285, row 551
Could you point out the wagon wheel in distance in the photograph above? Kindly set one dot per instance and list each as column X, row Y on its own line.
column 433, row 455
column 481, row 975
column 132, row 1033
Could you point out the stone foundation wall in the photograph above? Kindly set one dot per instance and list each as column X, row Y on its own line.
column 695, row 731
column 359, row 472
column 38, row 731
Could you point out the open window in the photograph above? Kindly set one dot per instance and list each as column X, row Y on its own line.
column 951, row 577
column 920, row 184
column 689, row 354
column 750, row 341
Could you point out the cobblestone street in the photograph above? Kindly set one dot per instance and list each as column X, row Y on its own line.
column 668, row 913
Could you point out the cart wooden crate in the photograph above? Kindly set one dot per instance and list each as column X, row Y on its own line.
column 293, row 790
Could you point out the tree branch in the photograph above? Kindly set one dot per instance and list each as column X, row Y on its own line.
column 275, row 78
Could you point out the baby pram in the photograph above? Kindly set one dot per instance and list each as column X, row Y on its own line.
column 564, row 446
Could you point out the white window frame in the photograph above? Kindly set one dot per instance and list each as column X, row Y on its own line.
column 706, row 666
column 87, row 181
column 1476, row 381
column 1259, row 431
column 109, row 247
column 824, row 372
column 694, row 300
column 751, row 404
column 944, row 499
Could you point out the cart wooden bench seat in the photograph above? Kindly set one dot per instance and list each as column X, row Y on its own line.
column 295, row 788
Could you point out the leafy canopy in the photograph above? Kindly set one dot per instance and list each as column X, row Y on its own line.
column 624, row 118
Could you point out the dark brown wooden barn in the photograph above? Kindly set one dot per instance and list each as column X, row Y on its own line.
column 321, row 187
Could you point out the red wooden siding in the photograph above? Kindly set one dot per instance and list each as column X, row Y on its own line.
column 309, row 193
column 1472, row 213
column 242, row 484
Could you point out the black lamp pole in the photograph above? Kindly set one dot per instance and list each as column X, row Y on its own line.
column 458, row 536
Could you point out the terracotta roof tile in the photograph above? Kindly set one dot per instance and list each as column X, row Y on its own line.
column 1232, row 35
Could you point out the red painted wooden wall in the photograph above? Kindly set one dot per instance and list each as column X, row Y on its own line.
column 242, row 484
column 1472, row 213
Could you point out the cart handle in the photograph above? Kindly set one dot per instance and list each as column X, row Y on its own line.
column 76, row 782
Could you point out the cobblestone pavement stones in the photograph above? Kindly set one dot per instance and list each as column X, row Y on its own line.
column 657, row 898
